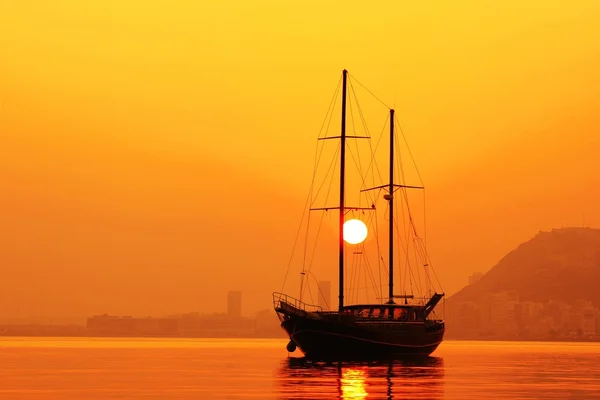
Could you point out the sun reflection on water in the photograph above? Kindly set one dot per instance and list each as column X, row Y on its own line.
column 299, row 378
column 353, row 384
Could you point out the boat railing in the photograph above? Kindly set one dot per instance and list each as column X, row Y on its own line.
column 279, row 299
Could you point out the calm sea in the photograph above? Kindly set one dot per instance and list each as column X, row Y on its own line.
column 78, row 368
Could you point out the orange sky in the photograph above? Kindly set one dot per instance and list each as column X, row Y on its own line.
column 155, row 154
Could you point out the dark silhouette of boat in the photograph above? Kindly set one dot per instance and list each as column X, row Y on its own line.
column 363, row 331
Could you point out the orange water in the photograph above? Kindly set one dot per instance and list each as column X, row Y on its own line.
column 78, row 368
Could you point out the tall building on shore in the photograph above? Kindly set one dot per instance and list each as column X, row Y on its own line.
column 234, row 304
column 325, row 295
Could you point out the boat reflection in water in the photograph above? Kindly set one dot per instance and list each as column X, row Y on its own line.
column 299, row 378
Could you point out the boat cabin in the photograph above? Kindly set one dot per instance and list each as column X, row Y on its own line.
column 396, row 312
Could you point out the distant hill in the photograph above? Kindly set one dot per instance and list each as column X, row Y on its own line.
column 561, row 265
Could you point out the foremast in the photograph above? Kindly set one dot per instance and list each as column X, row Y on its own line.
column 342, row 200
column 342, row 191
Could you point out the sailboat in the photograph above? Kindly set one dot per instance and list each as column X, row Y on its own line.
column 378, row 330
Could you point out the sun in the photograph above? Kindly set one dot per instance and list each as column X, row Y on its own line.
column 355, row 231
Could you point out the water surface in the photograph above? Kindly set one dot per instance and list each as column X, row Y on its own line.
column 105, row 368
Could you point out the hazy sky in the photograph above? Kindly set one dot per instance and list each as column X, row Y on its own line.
column 154, row 154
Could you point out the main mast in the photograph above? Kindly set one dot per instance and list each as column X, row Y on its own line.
column 391, row 200
column 342, row 198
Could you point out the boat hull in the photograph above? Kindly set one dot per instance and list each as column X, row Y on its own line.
column 333, row 339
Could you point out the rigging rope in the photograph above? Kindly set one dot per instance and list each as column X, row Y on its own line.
column 317, row 159
column 418, row 174
column 371, row 93
column 323, row 214
column 362, row 118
